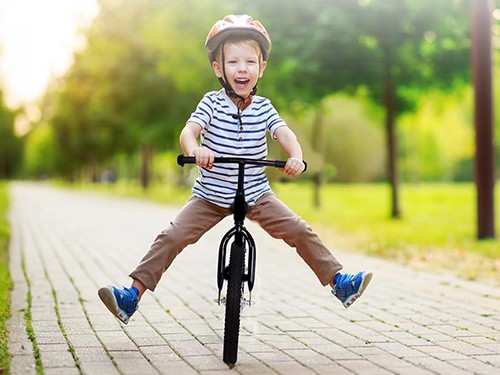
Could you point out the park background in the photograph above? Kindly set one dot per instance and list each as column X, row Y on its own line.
column 379, row 93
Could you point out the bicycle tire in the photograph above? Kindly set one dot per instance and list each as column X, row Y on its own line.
column 233, row 304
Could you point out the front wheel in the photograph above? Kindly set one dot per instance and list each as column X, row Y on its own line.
column 233, row 303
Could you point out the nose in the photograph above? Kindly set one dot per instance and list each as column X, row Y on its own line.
column 242, row 67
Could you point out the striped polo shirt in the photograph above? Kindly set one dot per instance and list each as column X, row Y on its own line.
column 223, row 134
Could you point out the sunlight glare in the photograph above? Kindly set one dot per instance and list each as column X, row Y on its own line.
column 37, row 40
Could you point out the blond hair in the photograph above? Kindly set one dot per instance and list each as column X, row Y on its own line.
column 238, row 40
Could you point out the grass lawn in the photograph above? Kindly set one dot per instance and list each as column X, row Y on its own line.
column 437, row 230
column 5, row 282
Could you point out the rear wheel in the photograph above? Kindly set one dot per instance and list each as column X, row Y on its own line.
column 233, row 303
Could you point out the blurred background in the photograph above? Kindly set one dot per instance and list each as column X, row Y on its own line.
column 139, row 70
column 379, row 92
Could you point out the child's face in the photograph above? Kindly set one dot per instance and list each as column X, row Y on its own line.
column 243, row 67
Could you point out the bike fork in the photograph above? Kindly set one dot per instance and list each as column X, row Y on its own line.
column 222, row 267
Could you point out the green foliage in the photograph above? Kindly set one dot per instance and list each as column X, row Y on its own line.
column 355, row 143
column 5, row 281
column 39, row 152
column 10, row 144
column 351, row 133
column 323, row 46
column 144, row 69
column 438, row 140
column 142, row 73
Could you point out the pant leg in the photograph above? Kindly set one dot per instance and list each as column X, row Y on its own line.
column 195, row 219
column 282, row 223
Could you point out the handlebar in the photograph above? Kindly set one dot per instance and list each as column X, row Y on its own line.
column 181, row 160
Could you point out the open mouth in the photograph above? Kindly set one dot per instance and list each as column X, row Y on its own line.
column 241, row 83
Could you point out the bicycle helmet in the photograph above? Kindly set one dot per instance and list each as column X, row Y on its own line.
column 243, row 25
column 236, row 25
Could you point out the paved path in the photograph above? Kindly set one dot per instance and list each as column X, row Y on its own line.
column 66, row 244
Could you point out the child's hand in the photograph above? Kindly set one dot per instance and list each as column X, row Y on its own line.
column 204, row 157
column 294, row 167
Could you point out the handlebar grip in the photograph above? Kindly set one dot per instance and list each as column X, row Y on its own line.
column 279, row 164
column 181, row 160
column 282, row 163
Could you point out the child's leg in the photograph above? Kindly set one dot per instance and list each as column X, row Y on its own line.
column 280, row 222
column 196, row 217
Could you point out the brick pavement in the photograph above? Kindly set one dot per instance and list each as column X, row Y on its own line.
column 67, row 244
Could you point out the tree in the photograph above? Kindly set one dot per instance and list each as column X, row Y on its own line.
column 431, row 49
column 485, row 150
column 396, row 49
column 39, row 151
column 10, row 144
column 133, row 86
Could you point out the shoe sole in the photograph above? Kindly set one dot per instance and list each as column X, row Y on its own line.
column 107, row 297
column 366, row 278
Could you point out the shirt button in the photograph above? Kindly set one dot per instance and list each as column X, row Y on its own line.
column 240, row 139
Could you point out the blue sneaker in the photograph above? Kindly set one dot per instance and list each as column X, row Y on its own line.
column 348, row 288
column 121, row 302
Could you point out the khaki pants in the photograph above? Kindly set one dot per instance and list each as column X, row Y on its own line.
column 199, row 215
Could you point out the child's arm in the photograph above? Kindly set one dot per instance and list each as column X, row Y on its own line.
column 189, row 143
column 288, row 142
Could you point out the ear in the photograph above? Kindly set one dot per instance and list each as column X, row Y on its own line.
column 217, row 69
column 263, row 65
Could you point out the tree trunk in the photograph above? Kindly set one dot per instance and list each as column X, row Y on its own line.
column 392, row 148
column 318, row 146
column 91, row 170
column 485, row 138
column 145, row 165
column 3, row 168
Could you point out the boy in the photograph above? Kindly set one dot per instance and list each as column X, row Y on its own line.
column 234, row 122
